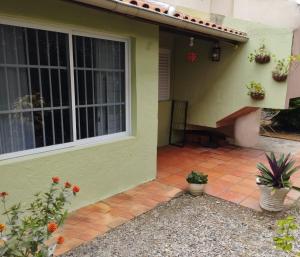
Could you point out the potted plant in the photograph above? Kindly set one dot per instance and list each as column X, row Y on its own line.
column 281, row 70
column 197, row 182
column 274, row 183
column 256, row 90
column 260, row 55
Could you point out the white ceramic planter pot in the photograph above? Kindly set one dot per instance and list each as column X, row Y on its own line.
column 272, row 199
column 196, row 189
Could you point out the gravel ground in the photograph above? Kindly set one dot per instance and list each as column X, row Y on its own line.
column 189, row 227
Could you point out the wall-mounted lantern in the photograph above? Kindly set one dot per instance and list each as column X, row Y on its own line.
column 216, row 53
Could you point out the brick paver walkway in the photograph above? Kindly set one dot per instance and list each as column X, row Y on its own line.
column 231, row 172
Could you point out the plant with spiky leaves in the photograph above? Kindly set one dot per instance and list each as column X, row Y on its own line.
column 280, row 173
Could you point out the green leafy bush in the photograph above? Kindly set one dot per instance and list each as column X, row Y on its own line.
column 285, row 235
column 197, row 178
column 287, row 120
column 29, row 230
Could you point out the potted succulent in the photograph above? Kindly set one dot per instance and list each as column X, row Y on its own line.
column 274, row 183
column 256, row 90
column 261, row 55
column 197, row 182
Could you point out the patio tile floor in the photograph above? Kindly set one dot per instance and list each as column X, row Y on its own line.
column 231, row 172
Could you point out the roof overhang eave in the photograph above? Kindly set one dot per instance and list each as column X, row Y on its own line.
column 162, row 19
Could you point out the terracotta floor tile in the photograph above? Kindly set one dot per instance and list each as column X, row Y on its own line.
column 162, row 174
column 214, row 190
column 242, row 189
column 86, row 234
column 251, row 203
column 205, row 164
column 293, row 194
column 249, row 182
column 231, row 178
column 145, row 200
column 233, row 196
column 117, row 222
column 68, row 245
column 255, row 194
column 172, row 180
column 160, row 198
column 222, row 184
column 122, row 213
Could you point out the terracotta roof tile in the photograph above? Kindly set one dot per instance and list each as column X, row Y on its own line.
column 179, row 15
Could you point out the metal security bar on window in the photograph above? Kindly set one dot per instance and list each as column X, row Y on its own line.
column 34, row 89
column 99, row 68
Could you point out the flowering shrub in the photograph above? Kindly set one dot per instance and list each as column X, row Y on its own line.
column 28, row 231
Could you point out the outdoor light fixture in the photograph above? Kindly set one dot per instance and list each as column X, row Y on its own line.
column 191, row 56
column 216, row 53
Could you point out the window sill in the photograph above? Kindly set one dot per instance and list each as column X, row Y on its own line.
column 74, row 146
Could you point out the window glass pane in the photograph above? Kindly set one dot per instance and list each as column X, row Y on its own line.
column 53, row 48
column 34, row 89
column 32, row 46
column 48, row 128
column 58, row 127
column 100, row 86
column 43, row 47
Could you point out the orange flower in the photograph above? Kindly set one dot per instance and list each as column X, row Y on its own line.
column 68, row 185
column 55, row 180
column 76, row 189
column 2, row 227
column 60, row 240
column 52, row 227
column 3, row 194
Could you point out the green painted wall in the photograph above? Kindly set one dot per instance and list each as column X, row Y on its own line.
column 166, row 41
column 164, row 121
column 215, row 90
column 103, row 169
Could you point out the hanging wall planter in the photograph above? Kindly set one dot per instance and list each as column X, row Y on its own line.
column 257, row 96
column 281, row 70
column 262, row 59
column 260, row 55
column 279, row 77
column 283, row 67
column 256, row 90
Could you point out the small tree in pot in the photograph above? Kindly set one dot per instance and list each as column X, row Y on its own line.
column 275, row 183
column 197, row 182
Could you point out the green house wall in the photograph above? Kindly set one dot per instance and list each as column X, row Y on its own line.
column 215, row 90
column 106, row 168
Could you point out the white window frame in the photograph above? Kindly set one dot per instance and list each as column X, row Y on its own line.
column 168, row 52
column 85, row 32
